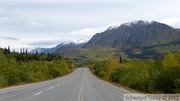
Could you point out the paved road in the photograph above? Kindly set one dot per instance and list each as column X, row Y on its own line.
column 80, row 85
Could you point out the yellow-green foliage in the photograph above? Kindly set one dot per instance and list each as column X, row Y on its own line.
column 151, row 76
column 13, row 70
column 170, row 60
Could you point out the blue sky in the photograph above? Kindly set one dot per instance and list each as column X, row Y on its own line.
column 46, row 23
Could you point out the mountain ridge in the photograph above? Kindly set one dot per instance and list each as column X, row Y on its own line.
column 139, row 34
column 61, row 45
column 137, row 39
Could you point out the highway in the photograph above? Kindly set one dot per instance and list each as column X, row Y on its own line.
column 80, row 85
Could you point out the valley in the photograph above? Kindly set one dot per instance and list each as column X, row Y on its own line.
column 137, row 39
column 121, row 54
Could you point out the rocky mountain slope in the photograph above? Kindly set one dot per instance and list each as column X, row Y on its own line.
column 136, row 34
column 137, row 39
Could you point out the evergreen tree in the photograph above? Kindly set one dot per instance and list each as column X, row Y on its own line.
column 8, row 50
column 120, row 60
column 5, row 50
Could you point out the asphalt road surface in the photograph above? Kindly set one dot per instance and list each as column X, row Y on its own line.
column 80, row 85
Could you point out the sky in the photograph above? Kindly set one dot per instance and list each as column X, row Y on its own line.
column 47, row 23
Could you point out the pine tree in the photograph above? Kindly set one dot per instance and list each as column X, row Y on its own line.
column 120, row 59
column 8, row 50
column 5, row 50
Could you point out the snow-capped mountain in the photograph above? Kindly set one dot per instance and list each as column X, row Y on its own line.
column 112, row 28
column 139, row 22
column 135, row 34
column 76, row 44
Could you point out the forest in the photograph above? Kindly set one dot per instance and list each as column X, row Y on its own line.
column 161, row 75
column 23, row 67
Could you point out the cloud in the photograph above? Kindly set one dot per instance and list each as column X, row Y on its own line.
column 2, row 11
column 172, row 21
column 4, row 19
column 16, row 12
column 16, row 19
column 78, row 36
column 8, row 38
column 83, row 34
column 58, row 1
column 38, row 23
column 33, row 22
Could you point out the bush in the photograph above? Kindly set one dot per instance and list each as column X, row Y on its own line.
column 3, row 81
column 177, row 86
column 168, row 80
column 151, row 76
column 100, row 69
column 118, row 73
column 24, row 67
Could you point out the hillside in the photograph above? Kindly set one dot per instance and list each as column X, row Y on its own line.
column 138, row 39
column 135, row 34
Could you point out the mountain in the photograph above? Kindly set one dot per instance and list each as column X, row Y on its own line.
column 52, row 50
column 135, row 34
column 42, row 50
column 138, row 39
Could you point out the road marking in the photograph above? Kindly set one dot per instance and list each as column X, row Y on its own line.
column 81, row 92
column 118, row 91
column 51, row 87
column 38, row 93
column 67, row 80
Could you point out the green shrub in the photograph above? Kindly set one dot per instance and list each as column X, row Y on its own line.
column 151, row 76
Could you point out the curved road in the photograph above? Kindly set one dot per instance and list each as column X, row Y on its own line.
column 80, row 85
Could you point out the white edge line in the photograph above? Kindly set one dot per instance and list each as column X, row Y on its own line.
column 51, row 87
column 38, row 93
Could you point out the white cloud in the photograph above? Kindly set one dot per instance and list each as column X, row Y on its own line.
column 83, row 34
column 172, row 21
column 17, row 20
column 33, row 22
column 41, row 21
column 3, row 20
column 16, row 12
column 2, row 11
column 14, row 44
column 60, row 1
column 47, row 40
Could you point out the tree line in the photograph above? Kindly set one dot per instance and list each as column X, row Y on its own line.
column 24, row 67
column 161, row 75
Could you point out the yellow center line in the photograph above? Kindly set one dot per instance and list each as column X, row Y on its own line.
column 81, row 92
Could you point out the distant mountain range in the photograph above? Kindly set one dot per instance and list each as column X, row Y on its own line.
column 137, row 39
column 62, row 45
